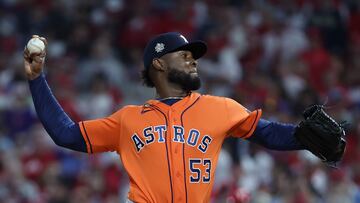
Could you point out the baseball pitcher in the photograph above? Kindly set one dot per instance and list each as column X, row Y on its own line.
column 169, row 146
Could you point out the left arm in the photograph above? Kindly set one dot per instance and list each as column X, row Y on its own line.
column 274, row 135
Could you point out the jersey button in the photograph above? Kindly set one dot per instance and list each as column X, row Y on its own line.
column 178, row 174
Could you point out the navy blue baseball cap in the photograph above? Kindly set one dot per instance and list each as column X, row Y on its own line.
column 170, row 42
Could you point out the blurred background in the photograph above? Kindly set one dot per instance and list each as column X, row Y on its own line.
column 278, row 55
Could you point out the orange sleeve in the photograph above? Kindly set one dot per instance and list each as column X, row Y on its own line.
column 242, row 121
column 103, row 134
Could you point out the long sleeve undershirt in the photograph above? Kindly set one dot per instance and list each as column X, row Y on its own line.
column 63, row 131
column 273, row 135
column 66, row 133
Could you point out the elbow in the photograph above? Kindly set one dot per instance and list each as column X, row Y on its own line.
column 60, row 142
column 73, row 144
column 64, row 137
column 56, row 137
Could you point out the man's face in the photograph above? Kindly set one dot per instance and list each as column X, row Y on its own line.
column 182, row 70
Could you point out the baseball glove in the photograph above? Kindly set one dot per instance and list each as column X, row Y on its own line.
column 321, row 135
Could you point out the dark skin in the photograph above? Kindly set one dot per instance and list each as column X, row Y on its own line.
column 181, row 60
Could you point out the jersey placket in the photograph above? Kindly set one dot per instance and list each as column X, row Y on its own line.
column 175, row 145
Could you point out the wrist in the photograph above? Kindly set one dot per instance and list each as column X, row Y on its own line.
column 34, row 76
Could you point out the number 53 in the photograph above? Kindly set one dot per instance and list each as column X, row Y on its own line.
column 196, row 174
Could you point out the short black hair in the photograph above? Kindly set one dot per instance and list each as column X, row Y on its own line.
column 145, row 76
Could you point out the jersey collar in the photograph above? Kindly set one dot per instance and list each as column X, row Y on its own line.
column 179, row 106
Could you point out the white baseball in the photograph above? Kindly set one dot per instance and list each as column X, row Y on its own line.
column 35, row 46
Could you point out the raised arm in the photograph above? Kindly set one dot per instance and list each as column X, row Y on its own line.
column 63, row 131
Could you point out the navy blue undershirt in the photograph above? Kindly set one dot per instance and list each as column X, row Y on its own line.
column 274, row 135
column 66, row 133
column 63, row 131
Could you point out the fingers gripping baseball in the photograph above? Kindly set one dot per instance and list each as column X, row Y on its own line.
column 34, row 56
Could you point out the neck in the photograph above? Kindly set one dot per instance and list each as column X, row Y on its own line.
column 170, row 90
column 162, row 95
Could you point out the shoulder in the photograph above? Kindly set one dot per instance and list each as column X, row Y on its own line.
column 214, row 102
column 212, row 98
column 127, row 111
column 223, row 102
column 217, row 99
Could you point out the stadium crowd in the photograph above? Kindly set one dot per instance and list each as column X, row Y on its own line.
column 277, row 55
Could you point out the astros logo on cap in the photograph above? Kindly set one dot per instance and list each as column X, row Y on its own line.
column 159, row 47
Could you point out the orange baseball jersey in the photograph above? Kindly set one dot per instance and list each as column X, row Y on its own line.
column 170, row 152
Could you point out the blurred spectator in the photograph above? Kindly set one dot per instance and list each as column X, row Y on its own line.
column 317, row 60
column 99, row 102
column 328, row 18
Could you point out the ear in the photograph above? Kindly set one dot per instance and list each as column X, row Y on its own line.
column 159, row 64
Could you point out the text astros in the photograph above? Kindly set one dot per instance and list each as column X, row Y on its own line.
column 157, row 134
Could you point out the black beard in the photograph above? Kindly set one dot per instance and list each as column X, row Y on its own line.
column 185, row 80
